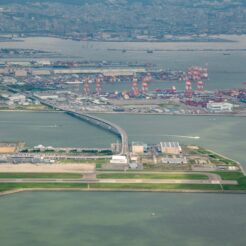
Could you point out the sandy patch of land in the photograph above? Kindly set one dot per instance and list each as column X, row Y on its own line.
column 46, row 168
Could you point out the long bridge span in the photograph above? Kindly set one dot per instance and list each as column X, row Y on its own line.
column 107, row 125
column 96, row 121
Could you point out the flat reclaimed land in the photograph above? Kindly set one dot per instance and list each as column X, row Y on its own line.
column 207, row 182
column 83, row 176
column 150, row 176
column 40, row 176
column 47, row 168
column 119, row 187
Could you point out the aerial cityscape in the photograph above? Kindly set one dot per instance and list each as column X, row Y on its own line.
column 122, row 122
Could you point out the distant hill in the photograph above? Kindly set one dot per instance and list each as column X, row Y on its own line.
column 152, row 19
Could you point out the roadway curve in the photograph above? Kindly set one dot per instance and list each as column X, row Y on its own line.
column 110, row 126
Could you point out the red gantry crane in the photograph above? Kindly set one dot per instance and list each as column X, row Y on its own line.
column 86, row 87
column 135, row 87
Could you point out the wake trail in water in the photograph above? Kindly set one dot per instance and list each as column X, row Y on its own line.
column 46, row 126
column 180, row 136
column 167, row 135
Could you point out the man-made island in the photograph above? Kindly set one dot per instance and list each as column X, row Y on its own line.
column 138, row 166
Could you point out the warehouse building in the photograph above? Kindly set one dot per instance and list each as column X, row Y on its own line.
column 218, row 107
column 119, row 159
column 7, row 148
column 170, row 148
column 139, row 148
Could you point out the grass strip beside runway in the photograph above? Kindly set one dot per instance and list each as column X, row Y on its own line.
column 118, row 186
column 150, row 176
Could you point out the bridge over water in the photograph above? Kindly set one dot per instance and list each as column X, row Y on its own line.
column 96, row 121
column 106, row 125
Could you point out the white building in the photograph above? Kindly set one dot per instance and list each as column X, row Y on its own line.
column 45, row 97
column 174, row 160
column 218, row 107
column 119, row 159
column 14, row 99
column 9, row 80
column 44, row 62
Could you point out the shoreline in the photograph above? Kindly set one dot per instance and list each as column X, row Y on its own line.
column 209, row 39
column 29, row 111
column 168, row 114
column 223, row 156
column 108, row 112
column 15, row 191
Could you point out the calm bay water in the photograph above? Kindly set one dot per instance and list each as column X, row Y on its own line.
column 51, row 129
column 225, row 71
column 80, row 218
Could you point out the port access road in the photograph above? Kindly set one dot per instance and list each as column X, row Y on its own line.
column 96, row 121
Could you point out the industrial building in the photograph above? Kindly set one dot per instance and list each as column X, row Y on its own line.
column 139, row 148
column 6, row 148
column 170, row 148
column 119, row 159
column 20, row 73
column 218, row 107
column 40, row 72
column 47, row 96
column 12, row 99
column 104, row 71
column 174, row 160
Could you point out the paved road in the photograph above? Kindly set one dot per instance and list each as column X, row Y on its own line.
column 121, row 131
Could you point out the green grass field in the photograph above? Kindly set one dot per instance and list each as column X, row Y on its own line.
column 241, row 186
column 224, row 175
column 230, row 175
column 213, row 156
column 12, row 186
column 150, row 176
column 241, row 179
column 157, row 186
column 98, row 162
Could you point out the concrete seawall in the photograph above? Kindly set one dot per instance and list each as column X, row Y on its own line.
column 10, row 192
